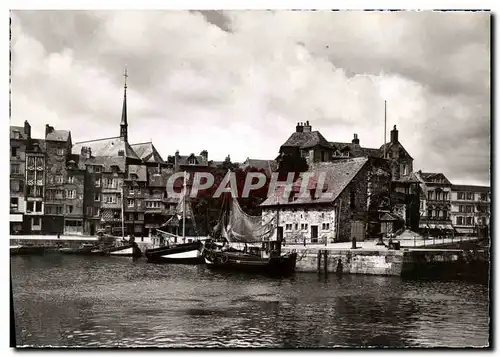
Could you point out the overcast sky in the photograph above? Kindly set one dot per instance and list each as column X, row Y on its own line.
column 237, row 82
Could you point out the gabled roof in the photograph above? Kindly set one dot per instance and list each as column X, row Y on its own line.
column 147, row 152
column 356, row 150
column 267, row 165
column 58, row 135
column 106, row 147
column 390, row 145
column 470, row 188
column 337, row 176
column 18, row 129
column 184, row 160
column 105, row 161
column 306, row 140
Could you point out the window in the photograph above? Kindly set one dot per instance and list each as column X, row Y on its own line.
column 14, row 202
column 303, row 226
column 139, row 203
column 429, row 213
column 97, row 169
column 15, row 169
column 468, row 209
column 60, row 151
column 296, row 226
column 38, row 206
column 16, row 134
column 460, row 196
column 470, row 196
column 89, row 211
column 70, row 179
column 110, row 199
column 430, row 195
column 192, row 161
column 29, row 206
column 131, row 217
column 97, row 182
column 39, row 162
column 59, row 179
column 69, row 209
column 59, row 210
column 35, row 221
column 90, row 169
column 288, row 226
column 326, row 226
column 13, row 151
column 71, row 194
column 483, row 197
column 468, row 221
column 353, row 199
column 130, row 203
column 121, row 153
column 97, row 212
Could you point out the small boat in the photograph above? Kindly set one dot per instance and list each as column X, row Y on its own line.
column 169, row 250
column 262, row 244
column 84, row 249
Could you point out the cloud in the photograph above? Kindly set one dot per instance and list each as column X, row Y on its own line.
column 237, row 82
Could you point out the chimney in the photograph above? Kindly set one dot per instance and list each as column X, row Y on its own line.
column 307, row 127
column 298, row 128
column 176, row 161
column 355, row 140
column 27, row 129
column 394, row 135
column 204, row 154
column 48, row 129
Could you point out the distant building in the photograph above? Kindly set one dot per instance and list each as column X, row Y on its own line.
column 268, row 166
column 470, row 209
column 435, row 203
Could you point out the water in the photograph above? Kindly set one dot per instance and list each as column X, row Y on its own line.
column 118, row 302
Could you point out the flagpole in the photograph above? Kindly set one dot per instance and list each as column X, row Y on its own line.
column 385, row 125
column 123, row 221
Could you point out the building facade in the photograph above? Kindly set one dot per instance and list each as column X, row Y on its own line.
column 435, row 203
column 470, row 209
column 19, row 139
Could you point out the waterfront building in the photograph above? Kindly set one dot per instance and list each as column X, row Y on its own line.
column 435, row 203
column 315, row 219
column 470, row 209
column 19, row 140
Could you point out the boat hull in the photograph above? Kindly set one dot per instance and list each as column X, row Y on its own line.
column 27, row 250
column 128, row 250
column 281, row 265
column 188, row 253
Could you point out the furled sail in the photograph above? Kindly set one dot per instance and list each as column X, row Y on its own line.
column 245, row 228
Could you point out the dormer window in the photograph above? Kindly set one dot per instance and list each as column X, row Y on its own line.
column 121, row 153
column 133, row 176
column 16, row 134
column 60, row 151
column 192, row 161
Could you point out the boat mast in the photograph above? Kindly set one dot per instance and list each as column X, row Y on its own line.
column 123, row 221
column 184, row 211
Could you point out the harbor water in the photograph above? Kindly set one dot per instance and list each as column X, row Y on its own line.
column 118, row 302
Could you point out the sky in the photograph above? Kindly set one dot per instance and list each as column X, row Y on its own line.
column 237, row 82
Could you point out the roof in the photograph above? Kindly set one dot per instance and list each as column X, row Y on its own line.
column 338, row 176
column 36, row 146
column 470, row 188
column 306, row 140
column 106, row 147
column 105, row 161
column 20, row 130
column 139, row 170
column 58, row 135
column 390, row 145
column 356, row 150
column 267, row 165
column 390, row 217
column 184, row 160
column 147, row 152
column 410, row 178
column 158, row 179
column 428, row 177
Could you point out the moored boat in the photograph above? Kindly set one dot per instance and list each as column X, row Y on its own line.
column 27, row 250
column 261, row 252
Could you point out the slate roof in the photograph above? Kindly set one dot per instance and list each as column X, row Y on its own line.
column 32, row 146
column 390, row 145
column 20, row 130
column 147, row 152
column 105, row 161
column 470, row 188
column 356, row 150
column 58, row 135
column 427, row 177
column 156, row 179
column 106, row 147
column 267, row 165
column 338, row 175
column 306, row 140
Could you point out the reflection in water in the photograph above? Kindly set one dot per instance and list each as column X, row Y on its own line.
column 107, row 301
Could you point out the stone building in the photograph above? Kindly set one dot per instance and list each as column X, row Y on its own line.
column 470, row 209
column 315, row 219
column 19, row 139
column 435, row 203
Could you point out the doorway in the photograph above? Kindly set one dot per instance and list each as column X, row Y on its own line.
column 314, row 234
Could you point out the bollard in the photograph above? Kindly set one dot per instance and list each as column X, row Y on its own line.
column 325, row 261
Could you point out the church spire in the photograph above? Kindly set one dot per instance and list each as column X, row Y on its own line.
column 123, row 124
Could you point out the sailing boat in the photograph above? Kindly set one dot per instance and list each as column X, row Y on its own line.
column 260, row 253
column 173, row 252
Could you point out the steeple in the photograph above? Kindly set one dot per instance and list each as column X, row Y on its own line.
column 123, row 124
